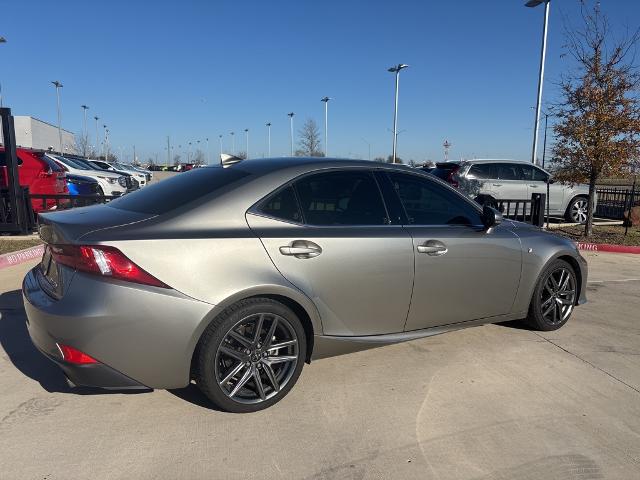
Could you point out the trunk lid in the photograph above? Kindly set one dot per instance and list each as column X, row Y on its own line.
column 68, row 226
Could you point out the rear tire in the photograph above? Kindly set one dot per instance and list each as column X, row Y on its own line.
column 554, row 297
column 239, row 370
column 577, row 210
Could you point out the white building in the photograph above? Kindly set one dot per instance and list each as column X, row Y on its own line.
column 34, row 133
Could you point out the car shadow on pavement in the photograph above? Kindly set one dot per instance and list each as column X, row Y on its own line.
column 192, row 394
column 16, row 343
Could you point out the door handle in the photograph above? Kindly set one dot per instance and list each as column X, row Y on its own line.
column 301, row 249
column 533, row 186
column 497, row 184
column 433, row 248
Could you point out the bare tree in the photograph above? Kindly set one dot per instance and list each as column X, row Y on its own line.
column 198, row 157
column 310, row 141
column 176, row 160
column 598, row 127
column 83, row 148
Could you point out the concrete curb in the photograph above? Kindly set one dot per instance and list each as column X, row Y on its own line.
column 21, row 256
column 606, row 247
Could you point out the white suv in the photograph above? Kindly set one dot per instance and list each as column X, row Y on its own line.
column 489, row 180
column 109, row 183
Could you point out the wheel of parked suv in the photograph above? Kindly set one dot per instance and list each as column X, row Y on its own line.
column 251, row 355
column 577, row 210
column 487, row 201
column 554, row 297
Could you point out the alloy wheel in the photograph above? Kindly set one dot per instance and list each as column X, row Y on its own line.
column 579, row 211
column 256, row 358
column 558, row 296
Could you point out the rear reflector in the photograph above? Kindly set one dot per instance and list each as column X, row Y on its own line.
column 72, row 355
column 104, row 261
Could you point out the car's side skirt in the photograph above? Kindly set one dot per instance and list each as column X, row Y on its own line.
column 330, row 346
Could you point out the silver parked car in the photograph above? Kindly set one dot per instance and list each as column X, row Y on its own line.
column 235, row 277
column 491, row 180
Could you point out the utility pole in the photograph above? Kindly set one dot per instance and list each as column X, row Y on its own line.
column 326, row 124
column 85, row 132
column 246, row 134
column 97, row 149
column 396, row 69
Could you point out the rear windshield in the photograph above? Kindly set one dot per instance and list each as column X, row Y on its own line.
column 178, row 190
column 442, row 171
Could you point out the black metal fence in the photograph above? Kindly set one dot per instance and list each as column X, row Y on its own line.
column 614, row 201
column 64, row 202
column 529, row 211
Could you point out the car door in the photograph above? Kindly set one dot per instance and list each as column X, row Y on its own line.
column 462, row 271
column 329, row 234
column 537, row 183
column 511, row 183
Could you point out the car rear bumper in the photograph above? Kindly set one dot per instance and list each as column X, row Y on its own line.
column 141, row 336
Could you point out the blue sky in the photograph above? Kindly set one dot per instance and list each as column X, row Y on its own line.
column 197, row 69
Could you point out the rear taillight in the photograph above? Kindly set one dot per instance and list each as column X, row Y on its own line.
column 451, row 178
column 73, row 355
column 104, row 261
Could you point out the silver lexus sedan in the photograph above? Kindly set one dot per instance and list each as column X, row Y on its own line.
column 233, row 278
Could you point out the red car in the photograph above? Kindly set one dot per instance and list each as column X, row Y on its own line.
column 40, row 174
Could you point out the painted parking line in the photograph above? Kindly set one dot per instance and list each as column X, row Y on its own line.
column 620, row 280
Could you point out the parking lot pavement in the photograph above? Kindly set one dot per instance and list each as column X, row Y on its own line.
column 493, row 402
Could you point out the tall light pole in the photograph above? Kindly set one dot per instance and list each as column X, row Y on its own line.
column 396, row 70
column 220, row 139
column 58, row 86
column 368, row 145
column 543, row 53
column 326, row 124
column 290, row 115
column 96, row 118
column 168, row 151
column 207, row 139
column 233, row 142
column 106, row 139
column 2, row 40
column 85, row 132
column 268, row 125
column 246, row 136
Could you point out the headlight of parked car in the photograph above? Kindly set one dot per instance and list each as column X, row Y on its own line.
column 122, row 181
column 109, row 179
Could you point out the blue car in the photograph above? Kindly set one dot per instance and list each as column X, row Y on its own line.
column 80, row 185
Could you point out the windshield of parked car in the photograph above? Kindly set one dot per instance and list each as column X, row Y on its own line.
column 70, row 163
column 179, row 190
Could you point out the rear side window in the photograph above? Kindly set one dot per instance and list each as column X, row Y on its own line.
column 341, row 198
column 427, row 203
column 282, row 205
column 174, row 192
column 444, row 170
column 482, row 171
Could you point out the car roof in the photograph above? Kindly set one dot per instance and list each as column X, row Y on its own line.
column 497, row 160
column 263, row 166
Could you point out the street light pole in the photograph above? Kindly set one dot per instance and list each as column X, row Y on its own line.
column 58, row 86
column 96, row 118
column 291, row 114
column 85, row 132
column 168, row 151
column 544, row 152
column 369, row 145
column 246, row 135
column 233, row 143
column 208, row 156
column 326, row 124
column 2, row 40
column 220, row 139
column 543, row 53
column 396, row 70
column 269, row 137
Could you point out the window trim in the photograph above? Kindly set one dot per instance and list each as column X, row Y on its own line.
column 255, row 208
column 441, row 183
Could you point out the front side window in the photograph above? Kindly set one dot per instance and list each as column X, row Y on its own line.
column 282, row 205
column 341, row 198
column 427, row 203
column 510, row 171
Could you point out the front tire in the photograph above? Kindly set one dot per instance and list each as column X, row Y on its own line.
column 251, row 355
column 554, row 297
column 577, row 210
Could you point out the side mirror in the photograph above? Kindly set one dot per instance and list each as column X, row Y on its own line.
column 550, row 180
column 491, row 217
